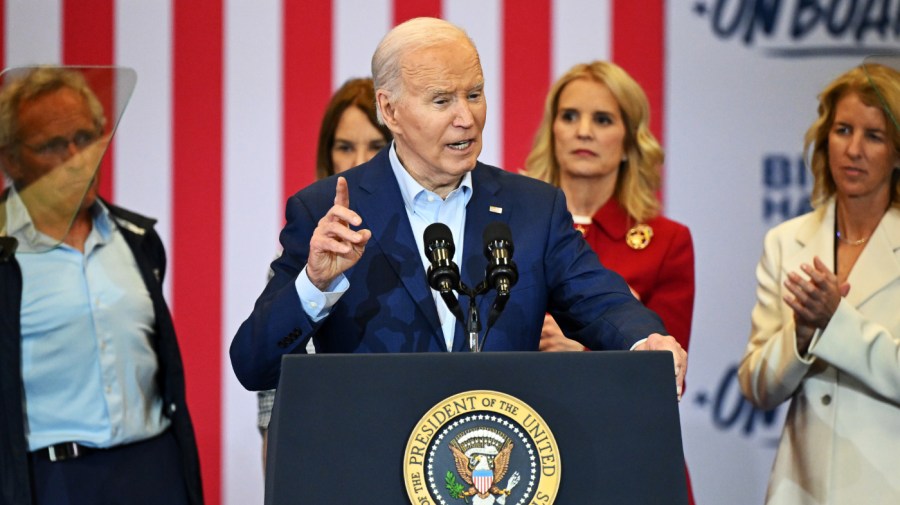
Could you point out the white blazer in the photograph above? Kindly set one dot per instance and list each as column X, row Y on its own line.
column 841, row 439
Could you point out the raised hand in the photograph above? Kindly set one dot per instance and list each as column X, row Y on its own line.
column 334, row 247
column 814, row 299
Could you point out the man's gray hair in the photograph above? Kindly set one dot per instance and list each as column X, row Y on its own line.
column 405, row 38
column 36, row 82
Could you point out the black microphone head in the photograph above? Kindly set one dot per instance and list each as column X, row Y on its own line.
column 438, row 235
column 443, row 274
column 497, row 231
column 501, row 273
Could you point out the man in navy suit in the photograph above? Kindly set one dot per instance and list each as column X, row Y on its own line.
column 353, row 273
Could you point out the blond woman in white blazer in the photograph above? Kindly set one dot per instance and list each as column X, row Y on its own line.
column 826, row 325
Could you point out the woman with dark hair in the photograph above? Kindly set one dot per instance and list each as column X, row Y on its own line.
column 350, row 135
column 826, row 325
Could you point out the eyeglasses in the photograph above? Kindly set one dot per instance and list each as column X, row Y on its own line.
column 59, row 146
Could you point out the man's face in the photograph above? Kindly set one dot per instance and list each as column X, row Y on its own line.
column 437, row 122
column 54, row 127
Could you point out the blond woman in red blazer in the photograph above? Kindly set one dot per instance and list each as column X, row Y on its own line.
column 595, row 143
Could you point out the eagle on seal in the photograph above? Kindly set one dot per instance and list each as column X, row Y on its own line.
column 482, row 470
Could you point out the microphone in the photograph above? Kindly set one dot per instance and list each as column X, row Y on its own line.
column 443, row 274
column 501, row 273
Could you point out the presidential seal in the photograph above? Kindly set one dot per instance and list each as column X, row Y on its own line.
column 481, row 448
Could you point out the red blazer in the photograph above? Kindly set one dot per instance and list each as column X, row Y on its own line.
column 662, row 273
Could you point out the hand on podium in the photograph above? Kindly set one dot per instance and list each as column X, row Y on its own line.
column 657, row 342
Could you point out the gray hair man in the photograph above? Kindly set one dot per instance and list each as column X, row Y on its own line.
column 353, row 276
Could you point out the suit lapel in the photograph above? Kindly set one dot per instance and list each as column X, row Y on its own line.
column 815, row 238
column 381, row 206
column 878, row 264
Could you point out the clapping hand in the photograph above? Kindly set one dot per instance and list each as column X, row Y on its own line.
column 814, row 299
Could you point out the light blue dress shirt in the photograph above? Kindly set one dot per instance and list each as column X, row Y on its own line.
column 423, row 207
column 88, row 365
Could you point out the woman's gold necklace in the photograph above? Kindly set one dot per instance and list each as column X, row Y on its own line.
column 851, row 242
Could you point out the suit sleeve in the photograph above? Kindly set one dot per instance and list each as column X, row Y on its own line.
column 591, row 304
column 278, row 324
column 672, row 297
column 861, row 348
column 771, row 369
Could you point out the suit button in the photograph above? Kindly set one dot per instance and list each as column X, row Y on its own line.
column 826, row 400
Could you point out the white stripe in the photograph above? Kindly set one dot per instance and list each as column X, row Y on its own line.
column 253, row 207
column 357, row 28
column 143, row 142
column 33, row 32
column 483, row 21
column 582, row 32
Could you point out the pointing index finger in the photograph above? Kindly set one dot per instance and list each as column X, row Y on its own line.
column 341, row 193
column 341, row 209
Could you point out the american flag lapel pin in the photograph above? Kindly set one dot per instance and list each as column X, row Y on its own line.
column 495, row 209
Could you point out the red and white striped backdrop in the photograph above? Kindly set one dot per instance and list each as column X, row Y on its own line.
column 223, row 123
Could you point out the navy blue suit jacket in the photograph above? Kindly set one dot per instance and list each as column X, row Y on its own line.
column 389, row 306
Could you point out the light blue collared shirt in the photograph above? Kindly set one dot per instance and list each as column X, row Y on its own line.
column 423, row 207
column 88, row 365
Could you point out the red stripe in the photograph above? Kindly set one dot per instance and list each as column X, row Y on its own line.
column 306, row 87
column 526, row 76
column 197, row 228
column 408, row 9
column 640, row 50
column 87, row 39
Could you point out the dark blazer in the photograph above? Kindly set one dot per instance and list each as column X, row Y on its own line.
column 145, row 244
column 389, row 306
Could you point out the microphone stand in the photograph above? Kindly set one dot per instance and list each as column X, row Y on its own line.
column 472, row 324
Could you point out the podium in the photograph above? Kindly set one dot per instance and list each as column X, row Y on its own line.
column 357, row 429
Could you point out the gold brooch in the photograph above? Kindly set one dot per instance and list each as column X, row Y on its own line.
column 639, row 236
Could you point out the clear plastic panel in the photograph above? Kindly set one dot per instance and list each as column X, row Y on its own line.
column 56, row 124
